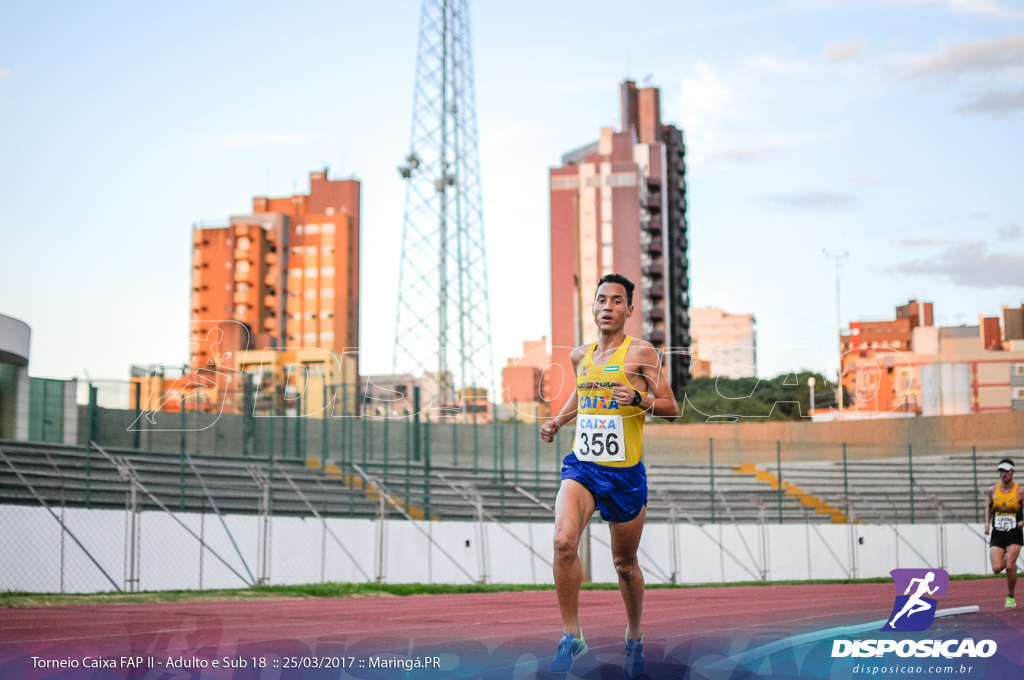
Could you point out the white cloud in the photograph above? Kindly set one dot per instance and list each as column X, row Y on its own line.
column 995, row 103
column 1011, row 232
column 966, row 6
column 704, row 105
column 970, row 265
column 6, row 73
column 843, row 51
column 705, row 98
column 985, row 56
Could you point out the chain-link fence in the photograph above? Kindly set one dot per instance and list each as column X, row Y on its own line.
column 94, row 518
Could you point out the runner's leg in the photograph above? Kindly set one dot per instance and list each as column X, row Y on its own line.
column 1012, row 551
column 998, row 556
column 625, row 542
column 573, row 508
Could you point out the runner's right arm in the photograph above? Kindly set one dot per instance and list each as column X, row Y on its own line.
column 988, row 511
column 550, row 428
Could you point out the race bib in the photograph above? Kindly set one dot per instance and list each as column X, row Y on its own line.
column 1006, row 522
column 599, row 439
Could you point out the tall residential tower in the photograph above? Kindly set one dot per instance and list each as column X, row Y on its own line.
column 619, row 205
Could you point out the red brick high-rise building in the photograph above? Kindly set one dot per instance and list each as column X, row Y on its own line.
column 619, row 205
column 288, row 272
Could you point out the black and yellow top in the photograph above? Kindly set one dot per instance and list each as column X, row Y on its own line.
column 1006, row 509
column 606, row 429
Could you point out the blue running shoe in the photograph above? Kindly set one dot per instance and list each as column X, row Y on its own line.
column 569, row 649
column 633, row 667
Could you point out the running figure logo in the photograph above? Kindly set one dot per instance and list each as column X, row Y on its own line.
column 914, row 610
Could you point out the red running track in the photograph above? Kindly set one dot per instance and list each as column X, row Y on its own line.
column 400, row 624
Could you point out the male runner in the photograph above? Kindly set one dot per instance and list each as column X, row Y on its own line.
column 614, row 379
column 1003, row 516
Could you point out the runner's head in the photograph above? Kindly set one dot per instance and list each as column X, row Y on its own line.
column 1005, row 469
column 613, row 302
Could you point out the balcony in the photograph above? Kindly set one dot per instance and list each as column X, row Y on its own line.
column 656, row 292
column 243, row 254
column 653, row 202
column 241, row 298
column 270, row 301
column 243, row 275
column 655, row 271
column 657, row 337
column 657, row 314
column 654, row 247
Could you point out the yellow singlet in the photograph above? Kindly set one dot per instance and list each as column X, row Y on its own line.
column 593, row 389
column 1006, row 510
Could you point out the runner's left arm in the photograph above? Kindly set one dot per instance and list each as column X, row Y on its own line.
column 661, row 402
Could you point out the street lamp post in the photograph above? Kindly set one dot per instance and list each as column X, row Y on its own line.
column 839, row 259
column 810, row 405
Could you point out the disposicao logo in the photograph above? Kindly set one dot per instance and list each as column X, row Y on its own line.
column 914, row 610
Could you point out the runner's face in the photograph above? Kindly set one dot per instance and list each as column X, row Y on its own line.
column 1006, row 476
column 610, row 307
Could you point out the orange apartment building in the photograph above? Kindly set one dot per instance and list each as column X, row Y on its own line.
column 902, row 365
column 288, row 274
column 528, row 381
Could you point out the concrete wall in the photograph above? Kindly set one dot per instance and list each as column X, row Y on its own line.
column 871, row 438
column 302, row 551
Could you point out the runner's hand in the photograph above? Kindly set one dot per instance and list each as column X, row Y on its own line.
column 987, row 527
column 548, row 430
column 622, row 392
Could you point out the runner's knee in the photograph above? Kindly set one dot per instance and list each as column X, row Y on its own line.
column 566, row 546
column 625, row 566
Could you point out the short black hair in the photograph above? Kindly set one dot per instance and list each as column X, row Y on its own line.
column 622, row 281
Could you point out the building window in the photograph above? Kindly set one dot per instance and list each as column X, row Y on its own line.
column 297, row 273
column 309, row 337
column 1018, row 392
column 298, row 229
column 327, row 336
column 311, row 250
column 311, row 272
column 327, row 293
column 243, row 266
column 312, row 228
column 327, row 250
column 327, row 228
column 563, row 183
column 1018, row 369
column 326, row 271
column 622, row 179
column 243, row 243
column 310, row 294
column 243, row 288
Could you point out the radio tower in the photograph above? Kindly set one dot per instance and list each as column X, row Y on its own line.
column 444, row 321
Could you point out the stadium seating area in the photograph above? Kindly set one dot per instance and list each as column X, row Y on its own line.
column 875, row 491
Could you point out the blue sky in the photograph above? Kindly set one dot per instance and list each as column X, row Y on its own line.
column 891, row 129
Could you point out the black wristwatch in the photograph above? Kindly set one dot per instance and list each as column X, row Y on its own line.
column 637, row 398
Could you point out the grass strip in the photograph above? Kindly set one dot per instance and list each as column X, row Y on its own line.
column 336, row 590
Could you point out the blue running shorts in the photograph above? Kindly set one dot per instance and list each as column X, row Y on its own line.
column 619, row 493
